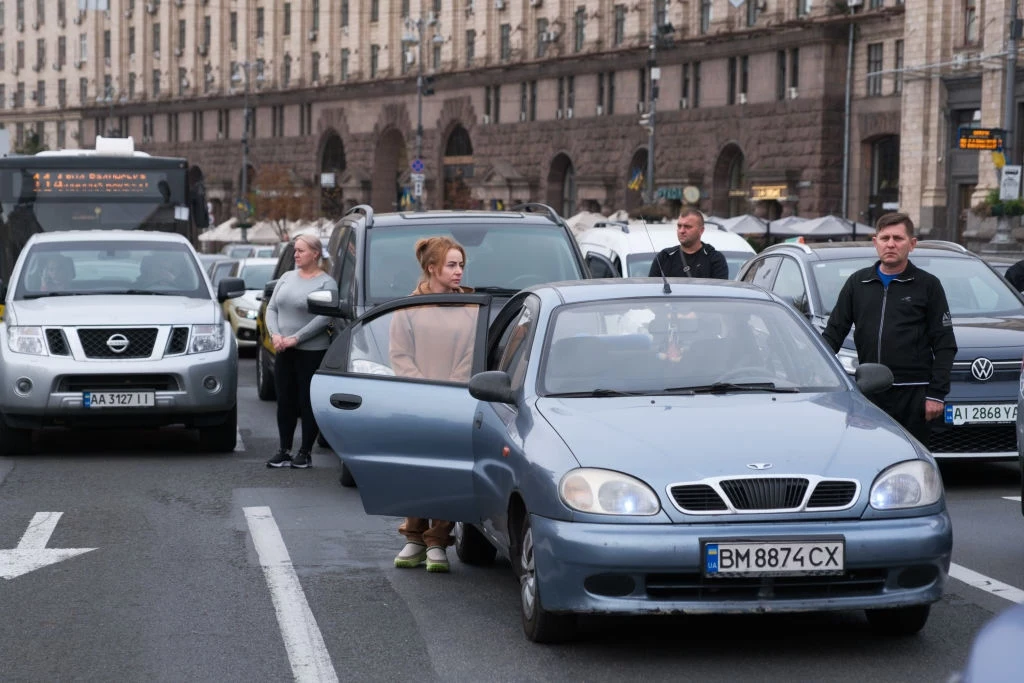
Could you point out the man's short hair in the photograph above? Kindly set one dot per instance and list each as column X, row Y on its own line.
column 890, row 219
column 692, row 212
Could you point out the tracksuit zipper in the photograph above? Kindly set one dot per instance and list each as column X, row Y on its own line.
column 881, row 322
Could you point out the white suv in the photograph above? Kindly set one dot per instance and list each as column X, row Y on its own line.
column 631, row 247
column 116, row 329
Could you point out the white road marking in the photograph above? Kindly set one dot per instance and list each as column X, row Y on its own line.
column 1016, row 498
column 39, row 530
column 982, row 582
column 31, row 552
column 239, row 444
column 303, row 641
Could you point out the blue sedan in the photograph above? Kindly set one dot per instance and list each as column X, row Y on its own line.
column 634, row 451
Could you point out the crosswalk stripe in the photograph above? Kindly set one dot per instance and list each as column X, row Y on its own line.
column 982, row 582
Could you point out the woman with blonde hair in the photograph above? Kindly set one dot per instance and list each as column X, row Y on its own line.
column 433, row 343
column 300, row 341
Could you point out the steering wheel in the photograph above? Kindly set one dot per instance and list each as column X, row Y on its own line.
column 748, row 374
column 526, row 280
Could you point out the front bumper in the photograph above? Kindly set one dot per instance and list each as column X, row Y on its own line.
column 58, row 382
column 657, row 569
column 245, row 331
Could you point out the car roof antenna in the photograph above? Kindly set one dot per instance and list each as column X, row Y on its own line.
column 666, row 289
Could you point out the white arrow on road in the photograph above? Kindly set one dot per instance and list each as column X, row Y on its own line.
column 32, row 553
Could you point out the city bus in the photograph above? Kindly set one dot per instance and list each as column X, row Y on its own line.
column 111, row 187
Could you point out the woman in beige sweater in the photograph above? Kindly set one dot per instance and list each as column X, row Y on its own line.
column 433, row 343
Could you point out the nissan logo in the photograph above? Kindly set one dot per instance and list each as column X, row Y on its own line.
column 982, row 369
column 118, row 343
column 760, row 465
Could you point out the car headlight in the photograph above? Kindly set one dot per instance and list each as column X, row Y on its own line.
column 605, row 492
column 26, row 340
column 247, row 313
column 915, row 483
column 849, row 360
column 206, row 338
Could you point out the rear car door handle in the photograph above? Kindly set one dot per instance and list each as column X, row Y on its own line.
column 346, row 401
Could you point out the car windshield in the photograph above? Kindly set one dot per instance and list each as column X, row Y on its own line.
column 680, row 344
column 639, row 265
column 504, row 256
column 110, row 267
column 257, row 275
column 972, row 289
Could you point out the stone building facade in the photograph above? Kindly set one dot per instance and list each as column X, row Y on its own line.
column 533, row 100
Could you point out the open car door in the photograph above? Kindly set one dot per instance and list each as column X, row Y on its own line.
column 391, row 399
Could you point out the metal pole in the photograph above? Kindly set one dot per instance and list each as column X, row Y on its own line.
column 1010, row 113
column 245, row 154
column 652, row 101
column 419, row 100
column 846, row 122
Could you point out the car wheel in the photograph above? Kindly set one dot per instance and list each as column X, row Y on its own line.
column 539, row 625
column 220, row 438
column 346, row 478
column 264, row 382
column 15, row 441
column 472, row 547
column 899, row 621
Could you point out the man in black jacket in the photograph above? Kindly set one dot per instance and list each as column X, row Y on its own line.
column 901, row 319
column 1015, row 275
column 692, row 258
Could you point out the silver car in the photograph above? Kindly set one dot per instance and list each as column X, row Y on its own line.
column 115, row 329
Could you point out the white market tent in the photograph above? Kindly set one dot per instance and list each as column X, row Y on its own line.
column 832, row 226
column 260, row 233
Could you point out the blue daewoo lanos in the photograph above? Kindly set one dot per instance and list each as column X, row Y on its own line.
column 628, row 450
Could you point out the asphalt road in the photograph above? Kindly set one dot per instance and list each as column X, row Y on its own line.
column 185, row 582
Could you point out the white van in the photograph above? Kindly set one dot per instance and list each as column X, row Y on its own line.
column 631, row 247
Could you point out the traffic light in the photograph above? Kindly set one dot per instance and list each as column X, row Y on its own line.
column 647, row 120
column 428, row 85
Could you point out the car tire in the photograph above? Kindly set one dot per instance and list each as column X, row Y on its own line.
column 15, row 441
column 472, row 547
column 264, row 382
column 898, row 621
column 346, row 478
column 539, row 625
column 220, row 438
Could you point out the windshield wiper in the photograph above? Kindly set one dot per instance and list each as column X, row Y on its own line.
column 143, row 291
column 46, row 294
column 500, row 291
column 731, row 387
column 596, row 393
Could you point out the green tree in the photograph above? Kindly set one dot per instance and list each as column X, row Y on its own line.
column 280, row 195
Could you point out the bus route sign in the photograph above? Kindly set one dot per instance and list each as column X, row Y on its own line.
column 981, row 139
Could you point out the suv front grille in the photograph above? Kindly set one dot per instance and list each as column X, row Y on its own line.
column 974, row 439
column 178, row 342
column 765, row 493
column 57, row 342
column 140, row 342
column 70, row 383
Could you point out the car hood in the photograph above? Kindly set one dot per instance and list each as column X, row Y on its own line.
column 1006, row 332
column 671, row 439
column 112, row 309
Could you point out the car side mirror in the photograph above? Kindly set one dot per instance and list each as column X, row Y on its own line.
column 601, row 266
column 268, row 289
column 327, row 302
column 229, row 288
column 493, row 386
column 797, row 302
column 872, row 378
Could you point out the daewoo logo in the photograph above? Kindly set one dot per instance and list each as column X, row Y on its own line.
column 760, row 465
column 982, row 369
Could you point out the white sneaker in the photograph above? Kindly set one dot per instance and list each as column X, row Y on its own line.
column 437, row 559
column 411, row 556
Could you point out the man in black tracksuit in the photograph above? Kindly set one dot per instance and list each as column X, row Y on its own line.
column 901, row 319
column 692, row 258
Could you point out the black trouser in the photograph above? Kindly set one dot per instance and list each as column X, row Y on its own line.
column 293, row 371
column 906, row 406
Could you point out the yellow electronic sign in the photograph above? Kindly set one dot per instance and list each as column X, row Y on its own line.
column 93, row 182
column 982, row 139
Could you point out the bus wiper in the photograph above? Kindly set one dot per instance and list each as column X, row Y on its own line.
column 596, row 393
column 731, row 387
column 500, row 291
column 46, row 294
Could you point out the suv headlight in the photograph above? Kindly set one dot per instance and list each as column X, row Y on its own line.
column 604, row 492
column 246, row 313
column 915, row 483
column 29, row 340
column 849, row 360
column 207, row 338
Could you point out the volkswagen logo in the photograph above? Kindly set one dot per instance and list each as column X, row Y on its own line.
column 118, row 343
column 760, row 465
column 982, row 369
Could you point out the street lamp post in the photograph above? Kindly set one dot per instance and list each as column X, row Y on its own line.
column 414, row 35
column 652, row 98
column 243, row 199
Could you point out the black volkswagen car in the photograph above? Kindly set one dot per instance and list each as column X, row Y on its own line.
column 988, row 318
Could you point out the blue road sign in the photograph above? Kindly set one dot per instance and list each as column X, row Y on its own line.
column 417, row 165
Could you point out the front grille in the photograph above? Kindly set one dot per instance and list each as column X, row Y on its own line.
column 832, row 494
column 140, row 342
column 697, row 498
column 57, row 342
column 974, row 439
column 698, row 587
column 73, row 383
column 765, row 493
column 178, row 342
